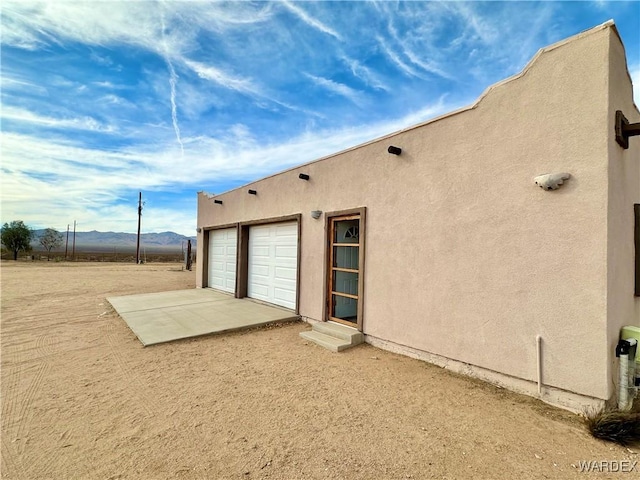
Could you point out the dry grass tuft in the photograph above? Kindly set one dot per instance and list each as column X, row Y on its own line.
column 619, row 427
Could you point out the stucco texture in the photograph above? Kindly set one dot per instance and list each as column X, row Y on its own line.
column 465, row 256
column 623, row 192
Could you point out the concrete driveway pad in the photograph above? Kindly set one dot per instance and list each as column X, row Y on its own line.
column 167, row 316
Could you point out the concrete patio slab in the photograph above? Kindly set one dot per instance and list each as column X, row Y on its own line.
column 167, row 316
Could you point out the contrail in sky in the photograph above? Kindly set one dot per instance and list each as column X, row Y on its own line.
column 172, row 82
column 174, row 113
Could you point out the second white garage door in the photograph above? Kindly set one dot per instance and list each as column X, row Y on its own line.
column 222, row 259
column 273, row 263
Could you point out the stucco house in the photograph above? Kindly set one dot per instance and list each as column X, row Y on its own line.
column 436, row 241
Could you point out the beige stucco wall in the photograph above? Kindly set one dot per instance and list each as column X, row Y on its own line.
column 623, row 191
column 466, row 258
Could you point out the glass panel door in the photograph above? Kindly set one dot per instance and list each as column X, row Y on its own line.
column 344, row 269
column 344, row 309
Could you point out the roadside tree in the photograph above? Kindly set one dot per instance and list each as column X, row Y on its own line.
column 50, row 239
column 16, row 237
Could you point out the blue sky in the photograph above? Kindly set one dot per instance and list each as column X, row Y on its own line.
column 103, row 99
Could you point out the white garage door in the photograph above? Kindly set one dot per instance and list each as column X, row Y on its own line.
column 273, row 263
column 222, row 259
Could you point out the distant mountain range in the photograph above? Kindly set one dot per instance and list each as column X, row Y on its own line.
column 122, row 242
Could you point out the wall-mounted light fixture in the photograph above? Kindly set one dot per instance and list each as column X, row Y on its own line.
column 551, row 181
column 316, row 214
column 303, row 176
column 394, row 150
column 219, row 202
column 198, row 230
column 252, row 192
column 624, row 130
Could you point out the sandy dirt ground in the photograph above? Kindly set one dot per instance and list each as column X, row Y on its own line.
column 81, row 398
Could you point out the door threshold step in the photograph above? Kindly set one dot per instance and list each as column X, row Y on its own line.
column 327, row 341
column 333, row 336
column 350, row 334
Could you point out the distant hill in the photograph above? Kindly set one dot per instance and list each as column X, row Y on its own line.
column 122, row 242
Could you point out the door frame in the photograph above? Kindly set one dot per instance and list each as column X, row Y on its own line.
column 242, row 274
column 359, row 212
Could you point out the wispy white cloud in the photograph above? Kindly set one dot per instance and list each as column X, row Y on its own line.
column 427, row 65
column 600, row 4
column 407, row 50
column 366, row 74
column 8, row 83
column 76, row 123
column 337, row 88
column 540, row 24
column 82, row 182
column 241, row 85
column 34, row 24
column 114, row 100
column 476, row 26
column 496, row 41
column 104, row 61
column 109, row 85
column 209, row 72
column 47, row 186
column 309, row 20
column 395, row 58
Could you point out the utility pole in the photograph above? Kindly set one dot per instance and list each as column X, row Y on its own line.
column 73, row 255
column 66, row 245
column 139, row 218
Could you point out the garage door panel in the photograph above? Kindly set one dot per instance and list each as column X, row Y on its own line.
column 217, row 266
column 285, row 278
column 260, row 284
column 285, row 229
column 282, row 266
column 261, row 292
column 284, row 296
column 273, row 263
column 261, row 250
column 286, row 292
column 286, row 251
column 261, row 271
column 285, row 273
column 222, row 259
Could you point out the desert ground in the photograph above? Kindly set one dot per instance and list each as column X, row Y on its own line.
column 83, row 399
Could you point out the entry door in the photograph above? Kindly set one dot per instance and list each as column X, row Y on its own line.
column 273, row 263
column 222, row 259
column 344, row 289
